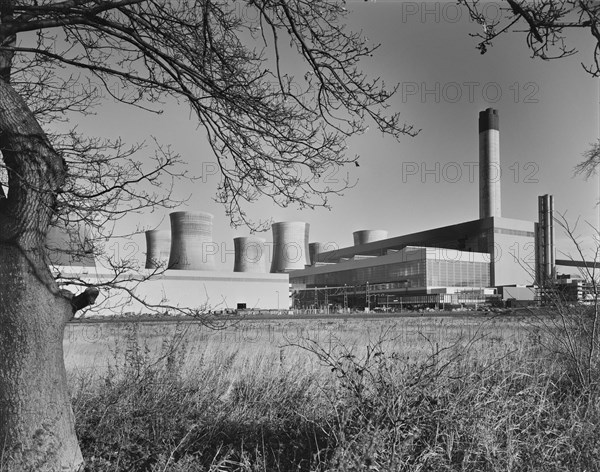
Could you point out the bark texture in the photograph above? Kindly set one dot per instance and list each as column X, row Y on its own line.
column 36, row 419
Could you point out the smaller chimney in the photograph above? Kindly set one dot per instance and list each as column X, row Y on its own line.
column 545, row 254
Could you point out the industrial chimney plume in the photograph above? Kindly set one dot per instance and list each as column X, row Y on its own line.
column 489, row 163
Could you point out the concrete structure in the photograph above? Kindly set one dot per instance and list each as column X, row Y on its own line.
column 290, row 246
column 452, row 264
column 509, row 244
column 489, row 164
column 545, row 268
column 411, row 269
column 368, row 236
column 179, row 291
column 191, row 241
column 572, row 288
column 314, row 249
column 176, row 290
column 158, row 248
column 249, row 254
column 517, row 293
column 69, row 245
column 410, row 273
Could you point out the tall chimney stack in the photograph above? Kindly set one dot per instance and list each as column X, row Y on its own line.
column 489, row 163
column 545, row 253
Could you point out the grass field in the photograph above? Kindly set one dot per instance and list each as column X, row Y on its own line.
column 91, row 347
column 452, row 393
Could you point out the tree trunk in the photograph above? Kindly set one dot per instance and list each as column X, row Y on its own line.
column 37, row 431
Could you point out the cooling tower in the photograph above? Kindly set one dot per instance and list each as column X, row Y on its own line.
column 69, row 244
column 489, row 163
column 368, row 236
column 290, row 246
column 158, row 248
column 249, row 254
column 314, row 249
column 191, row 241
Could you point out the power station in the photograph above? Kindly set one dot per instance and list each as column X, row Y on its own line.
column 461, row 263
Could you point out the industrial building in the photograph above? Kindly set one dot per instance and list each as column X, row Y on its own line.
column 465, row 263
column 412, row 275
column 434, row 265
column 180, row 276
column 175, row 292
column 509, row 243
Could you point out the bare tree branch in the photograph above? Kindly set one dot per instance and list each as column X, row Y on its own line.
column 591, row 159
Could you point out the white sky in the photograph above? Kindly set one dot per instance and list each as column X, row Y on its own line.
column 548, row 117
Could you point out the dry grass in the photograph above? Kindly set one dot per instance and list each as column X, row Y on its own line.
column 94, row 346
column 409, row 394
